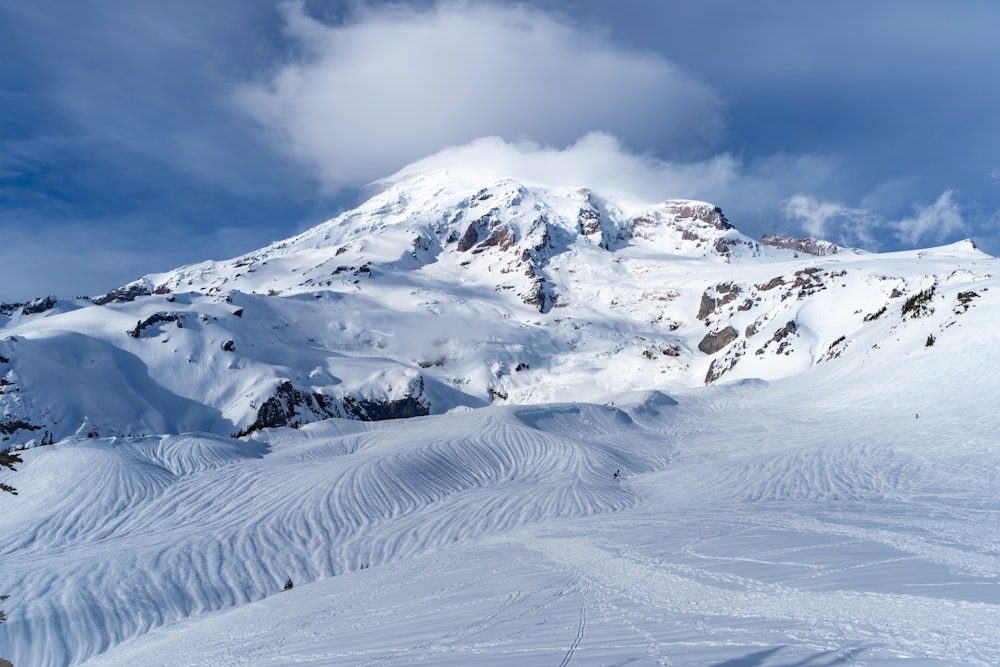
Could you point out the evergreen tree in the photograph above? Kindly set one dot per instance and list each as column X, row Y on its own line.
column 7, row 460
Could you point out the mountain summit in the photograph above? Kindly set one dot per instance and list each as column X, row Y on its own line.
column 450, row 291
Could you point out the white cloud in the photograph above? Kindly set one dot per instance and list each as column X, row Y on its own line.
column 936, row 222
column 597, row 160
column 862, row 226
column 394, row 84
column 826, row 219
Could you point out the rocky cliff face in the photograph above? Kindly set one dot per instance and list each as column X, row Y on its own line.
column 806, row 245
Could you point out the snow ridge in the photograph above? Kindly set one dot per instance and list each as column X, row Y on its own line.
column 445, row 292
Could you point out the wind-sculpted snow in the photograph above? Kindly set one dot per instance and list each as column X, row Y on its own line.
column 116, row 537
column 813, row 521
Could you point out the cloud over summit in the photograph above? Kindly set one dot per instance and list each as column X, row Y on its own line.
column 597, row 160
column 392, row 85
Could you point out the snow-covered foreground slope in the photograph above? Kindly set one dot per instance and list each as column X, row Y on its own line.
column 846, row 515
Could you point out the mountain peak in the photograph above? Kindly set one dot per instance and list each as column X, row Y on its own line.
column 447, row 291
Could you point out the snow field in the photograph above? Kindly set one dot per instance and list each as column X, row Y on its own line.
column 809, row 521
column 163, row 528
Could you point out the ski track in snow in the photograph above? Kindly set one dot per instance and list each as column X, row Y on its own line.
column 742, row 533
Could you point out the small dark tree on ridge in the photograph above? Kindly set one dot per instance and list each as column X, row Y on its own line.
column 7, row 460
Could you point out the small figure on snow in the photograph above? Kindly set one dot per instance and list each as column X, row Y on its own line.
column 617, row 473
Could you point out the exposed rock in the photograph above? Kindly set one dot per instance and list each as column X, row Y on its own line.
column 714, row 342
column 782, row 337
column 589, row 217
column 707, row 213
column 287, row 404
column 809, row 281
column 123, row 294
column 785, row 331
column 291, row 406
column 771, row 284
column 720, row 367
column 688, row 235
column 501, row 237
column 155, row 318
column 38, row 305
column 642, row 225
column 370, row 410
column 807, row 245
column 538, row 296
column 723, row 294
column 469, row 238
column 964, row 301
column 9, row 426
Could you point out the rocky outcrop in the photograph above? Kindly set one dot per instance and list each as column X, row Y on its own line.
column 716, row 297
column 469, row 238
column 372, row 410
column 11, row 425
column 291, row 406
column 40, row 305
column 783, row 338
column 501, row 237
column 288, row 406
column 707, row 213
column 155, row 318
column 714, row 342
column 123, row 294
column 720, row 367
column 589, row 219
column 806, row 245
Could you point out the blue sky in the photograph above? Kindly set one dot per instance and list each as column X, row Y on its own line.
column 136, row 137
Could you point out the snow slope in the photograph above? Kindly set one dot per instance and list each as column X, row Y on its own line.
column 452, row 291
column 808, row 447
column 846, row 515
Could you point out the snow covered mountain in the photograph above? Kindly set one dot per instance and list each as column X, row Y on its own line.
column 804, row 436
column 455, row 290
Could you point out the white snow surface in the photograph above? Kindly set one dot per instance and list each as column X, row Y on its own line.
column 837, row 517
column 832, row 497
